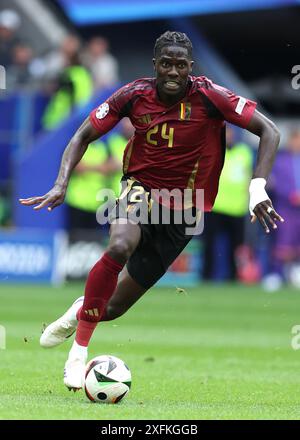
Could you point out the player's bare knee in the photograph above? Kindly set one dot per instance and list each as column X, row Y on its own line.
column 120, row 249
column 113, row 311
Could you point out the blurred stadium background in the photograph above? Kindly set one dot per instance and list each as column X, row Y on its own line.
column 63, row 58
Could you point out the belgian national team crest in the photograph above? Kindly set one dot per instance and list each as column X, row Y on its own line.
column 185, row 111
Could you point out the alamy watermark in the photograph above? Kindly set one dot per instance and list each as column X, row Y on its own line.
column 296, row 79
column 156, row 207
column 2, row 338
column 2, row 78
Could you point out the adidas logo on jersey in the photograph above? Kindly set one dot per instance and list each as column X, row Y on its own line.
column 146, row 119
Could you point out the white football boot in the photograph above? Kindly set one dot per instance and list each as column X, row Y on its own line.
column 74, row 371
column 61, row 329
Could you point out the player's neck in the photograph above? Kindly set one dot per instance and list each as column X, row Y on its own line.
column 169, row 100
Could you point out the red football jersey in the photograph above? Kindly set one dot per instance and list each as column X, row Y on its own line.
column 179, row 146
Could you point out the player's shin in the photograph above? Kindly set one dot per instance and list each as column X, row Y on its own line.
column 101, row 283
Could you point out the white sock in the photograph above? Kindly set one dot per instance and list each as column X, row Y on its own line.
column 78, row 352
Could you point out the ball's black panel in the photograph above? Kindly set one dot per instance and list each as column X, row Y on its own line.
column 128, row 383
column 101, row 378
column 93, row 364
column 102, row 396
column 120, row 397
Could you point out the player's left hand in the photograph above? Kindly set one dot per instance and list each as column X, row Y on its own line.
column 266, row 214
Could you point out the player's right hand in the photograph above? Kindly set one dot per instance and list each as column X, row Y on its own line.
column 52, row 199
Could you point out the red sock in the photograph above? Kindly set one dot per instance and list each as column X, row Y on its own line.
column 84, row 332
column 103, row 316
column 101, row 283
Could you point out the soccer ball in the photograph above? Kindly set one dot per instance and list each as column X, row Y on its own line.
column 107, row 379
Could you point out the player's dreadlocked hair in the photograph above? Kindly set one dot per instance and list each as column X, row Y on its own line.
column 173, row 39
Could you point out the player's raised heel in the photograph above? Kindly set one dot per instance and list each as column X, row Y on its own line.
column 61, row 329
column 74, row 374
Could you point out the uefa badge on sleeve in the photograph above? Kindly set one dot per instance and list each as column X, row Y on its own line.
column 102, row 111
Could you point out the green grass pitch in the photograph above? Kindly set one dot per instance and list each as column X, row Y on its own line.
column 214, row 352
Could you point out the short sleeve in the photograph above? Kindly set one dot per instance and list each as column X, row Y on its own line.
column 110, row 112
column 232, row 108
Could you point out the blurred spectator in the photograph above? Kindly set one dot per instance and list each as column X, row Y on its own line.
column 22, row 73
column 231, row 205
column 88, row 177
column 74, row 86
column 100, row 167
column 285, row 182
column 9, row 24
column 101, row 63
column 117, row 142
column 61, row 57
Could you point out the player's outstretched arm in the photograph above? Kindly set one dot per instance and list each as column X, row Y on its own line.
column 74, row 151
column 260, row 204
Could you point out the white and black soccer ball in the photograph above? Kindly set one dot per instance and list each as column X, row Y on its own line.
column 107, row 379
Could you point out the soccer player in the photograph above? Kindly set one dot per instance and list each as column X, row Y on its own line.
column 178, row 144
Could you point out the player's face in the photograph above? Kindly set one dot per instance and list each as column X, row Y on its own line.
column 172, row 68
